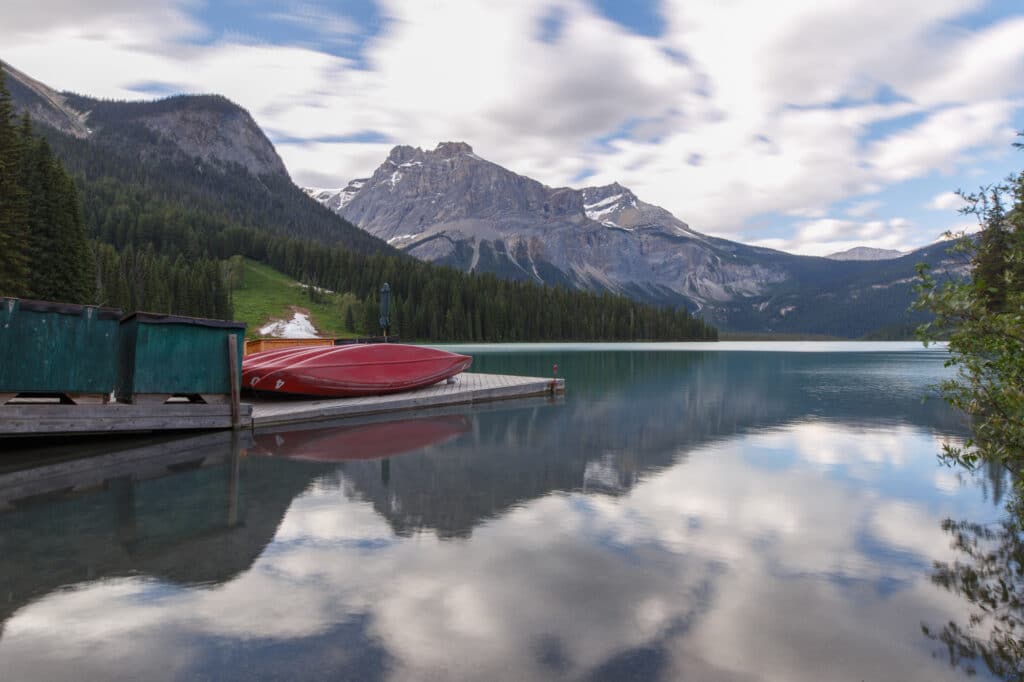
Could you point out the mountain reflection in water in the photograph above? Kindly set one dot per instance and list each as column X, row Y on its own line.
column 712, row 516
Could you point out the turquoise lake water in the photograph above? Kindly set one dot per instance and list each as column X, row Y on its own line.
column 732, row 511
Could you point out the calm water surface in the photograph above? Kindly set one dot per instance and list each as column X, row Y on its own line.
column 685, row 512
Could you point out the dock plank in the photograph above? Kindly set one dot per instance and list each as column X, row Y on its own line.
column 54, row 419
column 470, row 388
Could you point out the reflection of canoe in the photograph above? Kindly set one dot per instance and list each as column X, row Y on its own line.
column 364, row 441
column 340, row 371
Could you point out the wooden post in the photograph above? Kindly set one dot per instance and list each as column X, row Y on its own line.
column 233, row 481
column 235, row 379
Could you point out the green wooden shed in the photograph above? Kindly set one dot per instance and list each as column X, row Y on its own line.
column 169, row 355
column 57, row 348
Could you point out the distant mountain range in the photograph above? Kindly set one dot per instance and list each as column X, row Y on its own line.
column 206, row 162
column 450, row 206
column 200, row 159
column 866, row 253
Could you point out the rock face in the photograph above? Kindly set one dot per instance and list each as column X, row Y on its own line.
column 215, row 130
column 44, row 104
column 865, row 253
column 452, row 207
column 210, row 128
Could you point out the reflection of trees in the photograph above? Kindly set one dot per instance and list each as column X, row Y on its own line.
column 188, row 511
column 628, row 414
column 989, row 575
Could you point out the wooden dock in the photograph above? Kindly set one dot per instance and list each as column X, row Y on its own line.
column 116, row 418
column 469, row 388
column 35, row 420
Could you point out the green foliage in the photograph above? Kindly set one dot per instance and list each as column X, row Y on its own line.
column 988, row 576
column 14, row 200
column 145, row 280
column 443, row 304
column 266, row 295
column 984, row 320
column 44, row 250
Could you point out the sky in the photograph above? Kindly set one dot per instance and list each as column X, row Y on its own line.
column 805, row 126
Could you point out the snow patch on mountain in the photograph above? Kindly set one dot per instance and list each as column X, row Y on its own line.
column 336, row 199
column 599, row 210
column 402, row 238
column 299, row 327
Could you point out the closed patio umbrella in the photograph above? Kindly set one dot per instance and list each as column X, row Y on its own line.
column 385, row 308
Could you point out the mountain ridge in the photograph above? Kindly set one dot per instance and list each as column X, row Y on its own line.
column 153, row 207
column 452, row 207
column 867, row 253
column 201, row 154
column 44, row 104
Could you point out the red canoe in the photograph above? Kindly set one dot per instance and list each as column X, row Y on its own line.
column 353, row 370
column 364, row 441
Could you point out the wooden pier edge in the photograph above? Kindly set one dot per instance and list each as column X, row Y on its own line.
column 471, row 388
column 53, row 420
column 117, row 418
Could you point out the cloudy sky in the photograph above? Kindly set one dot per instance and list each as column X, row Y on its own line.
column 805, row 126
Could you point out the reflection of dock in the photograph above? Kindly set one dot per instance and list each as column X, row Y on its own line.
column 90, row 471
column 470, row 388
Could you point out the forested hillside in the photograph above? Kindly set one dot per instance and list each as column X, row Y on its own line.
column 164, row 223
column 44, row 251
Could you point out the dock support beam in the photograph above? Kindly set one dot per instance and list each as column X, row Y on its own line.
column 233, row 364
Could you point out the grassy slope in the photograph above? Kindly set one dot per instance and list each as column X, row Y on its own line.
column 268, row 295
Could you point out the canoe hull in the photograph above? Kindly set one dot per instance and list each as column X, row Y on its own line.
column 349, row 371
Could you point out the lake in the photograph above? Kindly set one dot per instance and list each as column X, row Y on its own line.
column 733, row 511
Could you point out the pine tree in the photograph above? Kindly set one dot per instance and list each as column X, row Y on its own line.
column 991, row 261
column 13, row 202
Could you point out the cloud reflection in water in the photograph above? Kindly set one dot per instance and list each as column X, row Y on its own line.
column 715, row 567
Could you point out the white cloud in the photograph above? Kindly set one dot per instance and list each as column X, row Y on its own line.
column 317, row 19
column 865, row 208
column 947, row 201
column 940, row 142
column 759, row 106
column 829, row 235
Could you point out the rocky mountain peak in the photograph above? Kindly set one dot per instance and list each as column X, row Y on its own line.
column 214, row 129
column 451, row 207
column 447, row 150
column 623, row 196
column 44, row 104
column 866, row 253
column 610, row 204
column 210, row 128
column 403, row 153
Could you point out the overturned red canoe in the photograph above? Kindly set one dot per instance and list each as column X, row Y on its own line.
column 353, row 370
column 256, row 365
